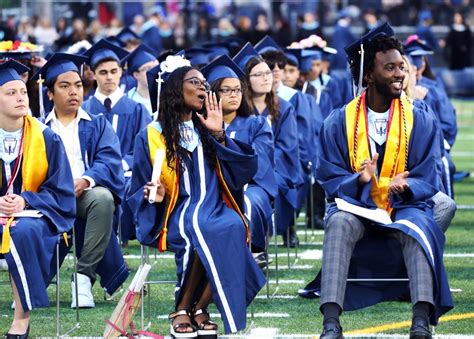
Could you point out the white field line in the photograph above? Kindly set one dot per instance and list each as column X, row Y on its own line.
column 284, row 296
column 465, row 207
column 283, row 266
column 256, row 315
column 288, row 281
column 462, row 154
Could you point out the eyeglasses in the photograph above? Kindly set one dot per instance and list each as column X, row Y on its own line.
column 199, row 83
column 229, row 91
column 281, row 64
column 261, row 74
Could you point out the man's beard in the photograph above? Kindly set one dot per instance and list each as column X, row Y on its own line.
column 384, row 89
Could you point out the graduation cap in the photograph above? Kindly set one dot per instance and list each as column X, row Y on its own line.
column 355, row 51
column 104, row 49
column 415, row 49
column 220, row 68
column 328, row 53
column 267, row 44
column 115, row 41
column 244, row 55
column 57, row 64
column 164, row 54
column 158, row 75
column 140, row 56
column 293, row 55
column 11, row 70
column 425, row 15
column 16, row 55
column 216, row 49
column 127, row 34
column 196, row 55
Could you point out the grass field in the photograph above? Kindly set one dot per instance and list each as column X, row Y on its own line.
column 285, row 312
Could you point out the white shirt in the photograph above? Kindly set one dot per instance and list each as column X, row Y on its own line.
column 137, row 97
column 114, row 97
column 378, row 125
column 70, row 137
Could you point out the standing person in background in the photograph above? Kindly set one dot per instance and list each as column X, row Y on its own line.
column 458, row 43
column 424, row 30
column 342, row 37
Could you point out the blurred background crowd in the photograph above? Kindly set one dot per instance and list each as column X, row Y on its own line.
column 178, row 24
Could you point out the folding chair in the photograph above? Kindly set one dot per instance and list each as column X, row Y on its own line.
column 56, row 282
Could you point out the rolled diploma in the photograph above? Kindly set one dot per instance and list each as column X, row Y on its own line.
column 159, row 157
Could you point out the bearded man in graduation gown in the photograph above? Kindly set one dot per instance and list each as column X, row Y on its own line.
column 380, row 151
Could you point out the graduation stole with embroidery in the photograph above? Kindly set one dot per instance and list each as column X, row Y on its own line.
column 170, row 181
column 399, row 127
column 34, row 167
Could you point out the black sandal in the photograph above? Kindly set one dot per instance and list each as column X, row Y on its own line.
column 173, row 329
column 202, row 332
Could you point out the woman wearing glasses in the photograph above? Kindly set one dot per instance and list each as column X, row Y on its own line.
column 281, row 116
column 196, row 211
column 241, row 124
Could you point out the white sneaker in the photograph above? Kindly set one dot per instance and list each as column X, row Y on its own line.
column 84, row 291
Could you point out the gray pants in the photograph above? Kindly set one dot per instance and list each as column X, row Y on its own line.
column 342, row 232
column 96, row 207
column 443, row 210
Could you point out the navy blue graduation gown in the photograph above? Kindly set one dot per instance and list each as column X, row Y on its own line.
column 442, row 107
column 262, row 189
column 287, row 164
column 132, row 118
column 33, row 240
column 201, row 223
column 100, row 151
column 380, row 256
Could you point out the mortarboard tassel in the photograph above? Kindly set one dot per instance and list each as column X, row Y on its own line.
column 159, row 81
column 361, row 70
column 40, row 89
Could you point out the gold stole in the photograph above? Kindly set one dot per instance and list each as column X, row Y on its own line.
column 170, row 181
column 399, row 129
column 34, row 167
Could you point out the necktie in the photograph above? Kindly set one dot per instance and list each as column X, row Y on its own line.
column 108, row 104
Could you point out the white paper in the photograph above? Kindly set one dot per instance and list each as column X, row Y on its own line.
column 378, row 215
column 157, row 164
column 24, row 214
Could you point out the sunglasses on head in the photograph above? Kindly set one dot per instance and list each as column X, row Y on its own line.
column 281, row 64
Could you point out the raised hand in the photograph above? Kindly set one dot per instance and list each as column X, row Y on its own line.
column 367, row 170
column 399, row 183
column 213, row 122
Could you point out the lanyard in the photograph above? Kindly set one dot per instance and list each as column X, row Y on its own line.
column 9, row 176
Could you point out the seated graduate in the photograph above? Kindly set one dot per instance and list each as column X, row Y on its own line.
column 34, row 175
column 276, row 60
column 281, row 116
column 242, row 124
column 436, row 98
column 93, row 151
column 199, row 198
column 126, row 116
column 380, row 151
column 444, row 207
column 137, row 63
column 298, row 59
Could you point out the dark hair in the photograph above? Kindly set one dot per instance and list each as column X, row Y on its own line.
column 428, row 72
column 50, row 84
column 271, row 99
column 273, row 57
column 379, row 44
column 93, row 67
column 172, row 108
column 244, row 110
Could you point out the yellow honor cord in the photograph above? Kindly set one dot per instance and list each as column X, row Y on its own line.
column 6, row 237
